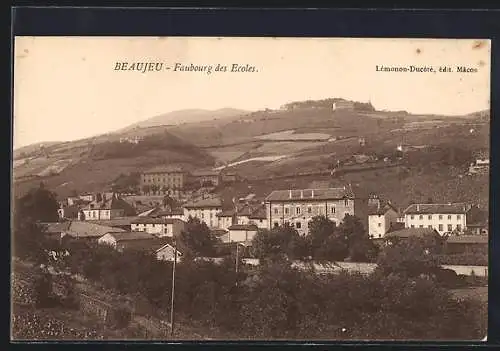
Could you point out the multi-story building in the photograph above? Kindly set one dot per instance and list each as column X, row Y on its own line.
column 206, row 177
column 206, row 210
column 298, row 207
column 105, row 206
column 162, row 178
column 381, row 218
column 158, row 226
column 444, row 218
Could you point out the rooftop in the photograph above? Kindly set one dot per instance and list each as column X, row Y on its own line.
column 467, row 239
column 119, row 221
column 450, row 208
column 243, row 227
column 205, row 203
column 311, row 194
column 126, row 236
column 205, row 173
column 155, row 220
column 83, row 229
column 374, row 209
column 411, row 232
column 164, row 169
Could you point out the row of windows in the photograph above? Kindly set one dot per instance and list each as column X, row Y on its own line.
column 298, row 210
column 441, row 227
column 297, row 225
column 430, row 217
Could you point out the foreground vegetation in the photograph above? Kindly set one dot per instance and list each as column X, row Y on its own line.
column 407, row 297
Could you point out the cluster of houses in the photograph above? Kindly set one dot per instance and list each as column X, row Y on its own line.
column 127, row 222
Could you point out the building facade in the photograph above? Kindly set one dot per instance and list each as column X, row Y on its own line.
column 298, row 207
column 206, row 178
column 106, row 206
column 173, row 178
column 444, row 218
column 158, row 226
column 206, row 210
column 381, row 217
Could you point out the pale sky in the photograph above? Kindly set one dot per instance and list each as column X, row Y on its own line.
column 66, row 88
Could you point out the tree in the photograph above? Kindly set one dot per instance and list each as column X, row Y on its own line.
column 278, row 243
column 409, row 258
column 38, row 204
column 197, row 238
column 361, row 248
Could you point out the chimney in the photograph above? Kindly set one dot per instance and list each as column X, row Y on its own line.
column 418, row 207
column 302, row 194
column 290, row 194
column 312, row 193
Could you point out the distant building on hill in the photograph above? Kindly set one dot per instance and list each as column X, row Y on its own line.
column 206, row 177
column 163, row 177
column 381, row 216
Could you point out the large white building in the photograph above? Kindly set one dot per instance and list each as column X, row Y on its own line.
column 444, row 218
column 105, row 206
column 158, row 226
column 380, row 218
column 298, row 207
column 206, row 210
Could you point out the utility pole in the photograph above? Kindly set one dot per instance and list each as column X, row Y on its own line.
column 173, row 291
column 237, row 259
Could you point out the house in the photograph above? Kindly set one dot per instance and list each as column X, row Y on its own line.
column 131, row 240
column 105, row 206
column 205, row 210
column 466, row 244
column 171, row 214
column 68, row 212
column 229, row 177
column 445, row 218
column 406, row 233
column 162, row 178
column 477, row 221
column 158, row 226
column 206, row 178
column 298, row 207
column 167, row 253
column 241, row 233
column 124, row 223
column 87, row 197
column 56, row 230
column 380, row 218
column 227, row 218
column 259, row 217
column 87, row 230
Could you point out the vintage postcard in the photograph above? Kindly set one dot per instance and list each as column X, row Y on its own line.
column 189, row 188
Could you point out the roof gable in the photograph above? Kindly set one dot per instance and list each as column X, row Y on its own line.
column 450, row 208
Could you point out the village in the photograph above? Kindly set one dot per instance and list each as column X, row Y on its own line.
column 171, row 196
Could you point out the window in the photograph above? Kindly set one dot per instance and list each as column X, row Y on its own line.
column 420, row 217
column 297, row 210
column 275, row 211
column 450, row 228
column 421, row 226
column 346, row 202
column 459, row 227
column 380, row 224
column 333, row 209
column 412, row 217
column 440, row 227
column 429, row 217
column 286, row 210
column 449, row 216
column 429, row 226
column 458, row 217
column 276, row 225
column 309, row 209
column 412, row 226
column 298, row 225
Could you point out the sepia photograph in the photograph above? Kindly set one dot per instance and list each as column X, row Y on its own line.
column 250, row 188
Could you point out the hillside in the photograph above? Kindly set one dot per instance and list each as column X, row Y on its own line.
column 300, row 137
column 184, row 116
